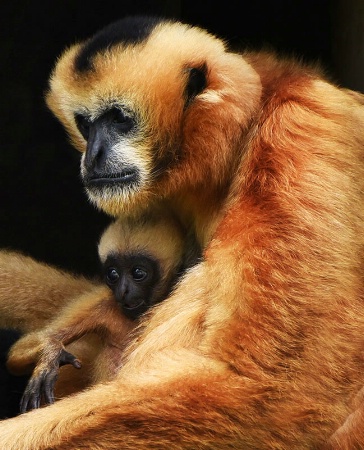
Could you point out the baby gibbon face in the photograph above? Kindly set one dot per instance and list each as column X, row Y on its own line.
column 133, row 278
column 151, row 105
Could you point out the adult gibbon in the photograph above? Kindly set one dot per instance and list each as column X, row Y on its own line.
column 261, row 157
column 142, row 259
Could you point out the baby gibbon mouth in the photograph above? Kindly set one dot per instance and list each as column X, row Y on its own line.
column 129, row 176
column 137, row 305
column 135, row 311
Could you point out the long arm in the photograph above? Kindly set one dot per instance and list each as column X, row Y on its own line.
column 32, row 293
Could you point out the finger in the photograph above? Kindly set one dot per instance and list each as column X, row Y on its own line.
column 67, row 358
column 48, row 386
column 31, row 398
column 77, row 364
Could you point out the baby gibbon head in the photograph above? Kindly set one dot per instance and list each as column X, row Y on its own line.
column 141, row 260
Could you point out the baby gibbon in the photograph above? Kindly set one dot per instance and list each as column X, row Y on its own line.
column 142, row 258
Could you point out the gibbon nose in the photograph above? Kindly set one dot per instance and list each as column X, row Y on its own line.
column 122, row 292
column 129, row 299
column 96, row 151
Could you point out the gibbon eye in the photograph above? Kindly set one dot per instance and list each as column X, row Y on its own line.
column 112, row 275
column 122, row 122
column 83, row 125
column 138, row 274
column 119, row 116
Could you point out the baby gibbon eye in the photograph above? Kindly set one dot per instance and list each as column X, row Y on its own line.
column 83, row 125
column 112, row 275
column 139, row 274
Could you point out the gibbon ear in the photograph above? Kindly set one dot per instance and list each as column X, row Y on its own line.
column 196, row 82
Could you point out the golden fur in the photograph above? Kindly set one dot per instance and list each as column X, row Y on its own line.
column 261, row 345
column 32, row 292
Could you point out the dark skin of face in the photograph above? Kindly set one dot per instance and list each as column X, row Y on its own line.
column 101, row 134
column 133, row 278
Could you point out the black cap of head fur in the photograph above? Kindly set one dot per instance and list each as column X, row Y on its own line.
column 129, row 30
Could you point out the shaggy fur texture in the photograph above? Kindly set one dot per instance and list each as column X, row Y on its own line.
column 261, row 345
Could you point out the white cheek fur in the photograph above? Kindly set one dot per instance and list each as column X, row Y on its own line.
column 124, row 154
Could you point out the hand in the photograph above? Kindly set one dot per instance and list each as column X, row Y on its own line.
column 40, row 388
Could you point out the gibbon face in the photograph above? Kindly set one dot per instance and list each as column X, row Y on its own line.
column 141, row 260
column 133, row 278
column 150, row 105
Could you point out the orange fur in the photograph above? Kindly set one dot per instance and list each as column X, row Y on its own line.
column 350, row 435
column 261, row 344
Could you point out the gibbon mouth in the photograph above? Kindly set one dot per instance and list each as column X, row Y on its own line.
column 128, row 176
column 134, row 312
column 131, row 307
